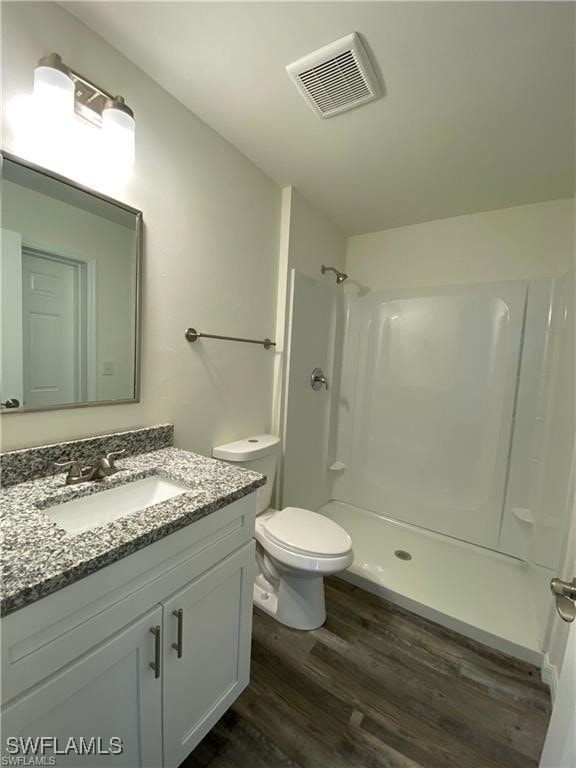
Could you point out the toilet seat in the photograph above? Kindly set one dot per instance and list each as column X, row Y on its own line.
column 307, row 533
column 289, row 547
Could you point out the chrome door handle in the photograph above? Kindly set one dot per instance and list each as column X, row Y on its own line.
column 565, row 595
column 318, row 380
column 178, row 644
column 155, row 665
column 12, row 402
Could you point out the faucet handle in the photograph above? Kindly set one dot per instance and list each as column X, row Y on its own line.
column 111, row 456
column 74, row 468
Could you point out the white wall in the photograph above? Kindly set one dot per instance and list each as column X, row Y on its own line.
column 211, row 248
column 309, row 239
column 314, row 239
column 529, row 241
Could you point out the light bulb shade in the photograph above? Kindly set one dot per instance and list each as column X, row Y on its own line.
column 53, row 92
column 119, row 131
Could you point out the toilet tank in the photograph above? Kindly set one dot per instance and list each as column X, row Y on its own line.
column 259, row 453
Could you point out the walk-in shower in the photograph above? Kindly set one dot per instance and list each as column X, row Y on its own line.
column 430, row 441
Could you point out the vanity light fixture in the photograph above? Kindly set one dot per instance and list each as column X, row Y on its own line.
column 69, row 114
column 119, row 128
column 54, row 87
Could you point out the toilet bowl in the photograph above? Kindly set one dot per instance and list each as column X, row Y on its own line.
column 295, row 548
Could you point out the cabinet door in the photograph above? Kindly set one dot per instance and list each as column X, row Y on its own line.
column 109, row 693
column 214, row 665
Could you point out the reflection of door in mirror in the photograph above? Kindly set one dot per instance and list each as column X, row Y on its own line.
column 54, row 329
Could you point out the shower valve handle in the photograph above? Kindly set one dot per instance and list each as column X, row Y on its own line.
column 318, row 380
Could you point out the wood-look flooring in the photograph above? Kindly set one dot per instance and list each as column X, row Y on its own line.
column 378, row 687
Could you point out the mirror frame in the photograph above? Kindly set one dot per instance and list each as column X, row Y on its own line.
column 4, row 155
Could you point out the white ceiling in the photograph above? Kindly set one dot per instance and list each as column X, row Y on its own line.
column 478, row 112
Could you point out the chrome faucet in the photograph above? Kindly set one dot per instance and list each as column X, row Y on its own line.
column 103, row 467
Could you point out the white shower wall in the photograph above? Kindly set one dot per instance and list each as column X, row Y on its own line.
column 308, row 240
column 429, row 385
column 533, row 243
column 455, row 406
column 445, row 405
column 528, row 242
column 312, row 315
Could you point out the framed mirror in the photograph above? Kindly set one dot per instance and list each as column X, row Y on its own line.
column 70, row 272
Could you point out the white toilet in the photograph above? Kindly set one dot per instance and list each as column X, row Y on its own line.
column 295, row 547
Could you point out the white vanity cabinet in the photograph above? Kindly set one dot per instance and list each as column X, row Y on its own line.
column 110, row 692
column 154, row 660
column 214, row 666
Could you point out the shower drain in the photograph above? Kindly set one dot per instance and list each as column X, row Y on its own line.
column 401, row 554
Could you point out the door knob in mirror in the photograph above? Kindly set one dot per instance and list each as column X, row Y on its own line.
column 12, row 402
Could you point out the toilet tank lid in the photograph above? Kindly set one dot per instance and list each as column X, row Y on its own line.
column 247, row 449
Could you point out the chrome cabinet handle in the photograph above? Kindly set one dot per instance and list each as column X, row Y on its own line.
column 178, row 644
column 155, row 665
column 12, row 402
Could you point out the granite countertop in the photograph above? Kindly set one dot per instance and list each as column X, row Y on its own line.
column 39, row 557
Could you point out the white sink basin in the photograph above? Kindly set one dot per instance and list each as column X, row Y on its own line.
column 104, row 507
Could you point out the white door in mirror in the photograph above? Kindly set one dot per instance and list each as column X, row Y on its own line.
column 11, row 386
column 53, row 338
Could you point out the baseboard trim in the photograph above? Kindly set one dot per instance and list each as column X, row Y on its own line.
column 550, row 676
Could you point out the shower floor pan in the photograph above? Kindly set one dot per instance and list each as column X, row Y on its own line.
column 481, row 594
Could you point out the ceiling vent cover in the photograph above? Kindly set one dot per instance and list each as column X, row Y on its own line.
column 336, row 78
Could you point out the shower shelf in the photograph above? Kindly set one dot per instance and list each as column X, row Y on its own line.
column 523, row 514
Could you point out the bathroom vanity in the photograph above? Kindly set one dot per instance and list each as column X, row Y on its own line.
column 126, row 596
column 137, row 629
